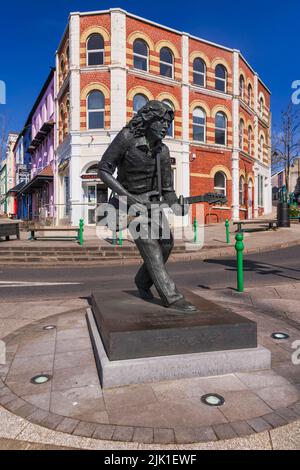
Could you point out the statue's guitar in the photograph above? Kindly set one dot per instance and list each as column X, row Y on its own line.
column 152, row 199
column 209, row 198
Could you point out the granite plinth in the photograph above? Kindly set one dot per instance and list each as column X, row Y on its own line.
column 131, row 328
column 113, row 374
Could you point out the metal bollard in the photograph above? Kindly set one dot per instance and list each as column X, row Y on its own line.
column 121, row 238
column 81, row 231
column 227, row 225
column 196, row 231
column 239, row 246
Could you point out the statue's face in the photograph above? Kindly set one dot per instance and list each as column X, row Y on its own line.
column 159, row 128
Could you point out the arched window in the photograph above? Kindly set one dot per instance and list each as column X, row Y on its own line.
column 262, row 148
column 221, row 78
column 166, row 62
column 199, row 72
column 62, row 124
column 140, row 55
column 261, row 107
column 221, row 129
column 199, row 125
column 68, row 113
column 95, row 50
column 220, row 183
column 242, row 191
column 241, row 134
column 96, row 109
column 171, row 128
column 249, row 95
column 250, row 140
column 242, row 87
column 92, row 170
column 139, row 101
column 62, row 68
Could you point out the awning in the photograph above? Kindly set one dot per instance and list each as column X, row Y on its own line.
column 45, row 176
column 41, row 135
column 17, row 189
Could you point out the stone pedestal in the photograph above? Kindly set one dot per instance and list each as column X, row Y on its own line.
column 141, row 342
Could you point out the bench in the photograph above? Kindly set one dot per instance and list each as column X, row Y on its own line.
column 37, row 230
column 270, row 225
column 9, row 230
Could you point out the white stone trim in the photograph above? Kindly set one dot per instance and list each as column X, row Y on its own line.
column 235, row 130
column 118, row 71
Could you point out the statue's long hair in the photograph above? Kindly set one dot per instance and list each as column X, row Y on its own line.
column 152, row 111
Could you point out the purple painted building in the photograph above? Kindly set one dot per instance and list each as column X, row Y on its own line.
column 41, row 185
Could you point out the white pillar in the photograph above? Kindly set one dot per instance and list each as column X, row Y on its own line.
column 118, row 70
column 185, row 98
column 185, row 117
column 256, row 146
column 235, row 130
column 76, row 193
column 256, row 192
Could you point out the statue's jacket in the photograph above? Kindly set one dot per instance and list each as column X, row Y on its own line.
column 136, row 163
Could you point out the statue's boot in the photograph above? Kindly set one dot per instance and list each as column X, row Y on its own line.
column 145, row 294
column 184, row 306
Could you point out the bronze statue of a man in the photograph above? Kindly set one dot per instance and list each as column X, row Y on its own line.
column 144, row 167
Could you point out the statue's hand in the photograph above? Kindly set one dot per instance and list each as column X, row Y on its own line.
column 138, row 203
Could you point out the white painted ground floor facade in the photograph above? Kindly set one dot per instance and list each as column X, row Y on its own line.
column 78, row 190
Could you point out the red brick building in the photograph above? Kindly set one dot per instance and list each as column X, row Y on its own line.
column 110, row 63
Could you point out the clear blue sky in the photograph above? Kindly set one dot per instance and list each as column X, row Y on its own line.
column 267, row 33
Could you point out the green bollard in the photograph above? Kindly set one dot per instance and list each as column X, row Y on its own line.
column 81, row 231
column 196, row 231
column 227, row 225
column 121, row 238
column 240, row 261
column 114, row 241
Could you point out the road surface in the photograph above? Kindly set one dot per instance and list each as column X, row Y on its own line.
column 273, row 268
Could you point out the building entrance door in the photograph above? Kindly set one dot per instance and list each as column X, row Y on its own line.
column 95, row 194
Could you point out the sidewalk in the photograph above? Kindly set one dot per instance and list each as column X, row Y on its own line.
column 261, row 411
column 212, row 243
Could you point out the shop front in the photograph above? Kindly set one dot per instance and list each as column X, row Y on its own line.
column 95, row 193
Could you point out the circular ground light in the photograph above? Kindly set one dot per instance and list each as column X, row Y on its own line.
column 213, row 400
column 40, row 379
column 280, row 336
column 49, row 327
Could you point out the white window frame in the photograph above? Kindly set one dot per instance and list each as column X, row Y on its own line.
column 261, row 107
column 241, row 135
column 138, row 94
column 171, row 105
column 200, row 125
column 250, row 134
column 225, row 80
column 202, row 74
column 161, row 62
column 94, row 51
column 135, row 54
column 219, row 189
column 94, row 111
column 242, row 191
column 250, row 95
column 242, row 87
column 221, row 129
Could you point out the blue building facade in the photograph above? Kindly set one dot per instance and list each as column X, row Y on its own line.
column 23, row 170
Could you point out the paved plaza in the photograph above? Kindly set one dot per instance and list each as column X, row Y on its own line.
column 261, row 410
